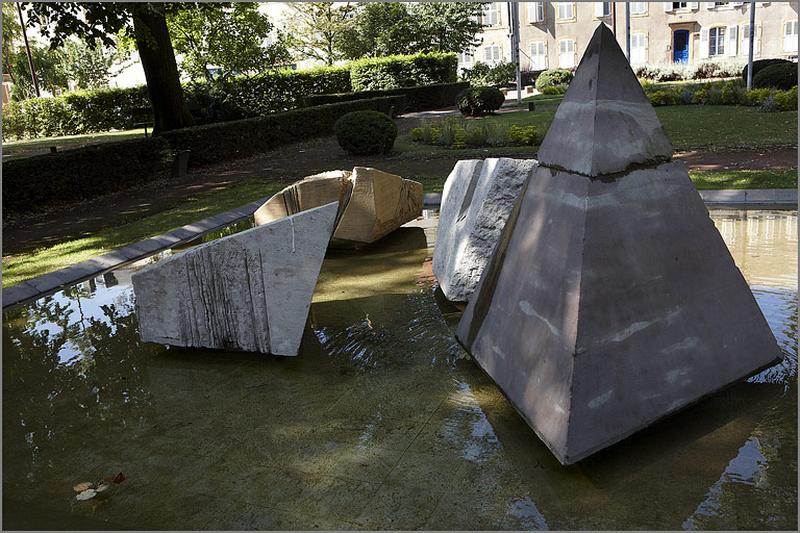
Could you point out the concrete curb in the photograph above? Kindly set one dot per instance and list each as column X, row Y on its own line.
column 48, row 283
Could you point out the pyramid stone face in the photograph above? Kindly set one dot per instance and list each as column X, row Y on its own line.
column 605, row 122
column 477, row 200
column 610, row 303
column 372, row 203
column 250, row 291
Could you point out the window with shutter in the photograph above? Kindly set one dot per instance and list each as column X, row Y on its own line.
column 790, row 36
column 716, row 41
column 602, row 9
column 536, row 12
column 538, row 56
column 565, row 11
column 638, row 48
column 566, row 53
column 638, row 8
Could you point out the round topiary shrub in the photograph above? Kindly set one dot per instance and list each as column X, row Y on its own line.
column 779, row 76
column 762, row 64
column 556, row 76
column 476, row 101
column 365, row 132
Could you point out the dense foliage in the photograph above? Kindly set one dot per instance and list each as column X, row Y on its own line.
column 422, row 98
column 477, row 101
column 702, row 71
column 552, row 77
column 315, row 28
column 459, row 133
column 484, row 74
column 32, row 182
column 764, row 63
column 732, row 92
column 779, row 76
column 366, row 132
column 391, row 72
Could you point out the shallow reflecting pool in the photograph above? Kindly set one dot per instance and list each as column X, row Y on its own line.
column 381, row 422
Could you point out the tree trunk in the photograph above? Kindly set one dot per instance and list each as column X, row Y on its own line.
column 160, row 69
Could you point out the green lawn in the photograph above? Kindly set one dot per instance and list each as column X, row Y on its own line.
column 15, row 149
column 28, row 265
column 688, row 126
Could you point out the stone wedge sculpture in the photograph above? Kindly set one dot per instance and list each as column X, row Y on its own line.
column 478, row 198
column 250, row 291
column 372, row 203
column 611, row 299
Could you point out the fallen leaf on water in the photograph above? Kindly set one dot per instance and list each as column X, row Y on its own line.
column 86, row 495
column 80, row 487
column 108, row 479
column 102, row 486
column 119, row 478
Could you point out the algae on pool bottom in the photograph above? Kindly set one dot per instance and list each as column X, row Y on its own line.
column 382, row 421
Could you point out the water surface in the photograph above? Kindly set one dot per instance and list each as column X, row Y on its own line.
column 382, row 422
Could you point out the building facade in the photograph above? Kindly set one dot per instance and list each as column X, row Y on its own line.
column 555, row 34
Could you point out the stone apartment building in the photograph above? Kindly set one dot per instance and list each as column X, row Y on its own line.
column 554, row 34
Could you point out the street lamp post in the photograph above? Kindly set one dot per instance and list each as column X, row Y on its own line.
column 28, row 52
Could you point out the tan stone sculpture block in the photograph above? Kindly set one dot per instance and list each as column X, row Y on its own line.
column 372, row 203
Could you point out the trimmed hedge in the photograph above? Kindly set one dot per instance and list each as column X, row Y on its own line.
column 365, row 132
column 478, row 101
column 71, row 175
column 732, row 92
column 392, row 72
column 764, row 63
column 781, row 76
column 423, row 98
column 239, row 138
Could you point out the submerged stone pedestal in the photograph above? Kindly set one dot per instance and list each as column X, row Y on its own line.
column 478, row 198
column 611, row 299
column 372, row 203
column 249, row 291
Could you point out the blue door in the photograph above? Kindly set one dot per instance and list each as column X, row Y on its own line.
column 680, row 48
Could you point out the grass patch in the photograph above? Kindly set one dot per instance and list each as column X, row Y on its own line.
column 688, row 126
column 27, row 148
column 24, row 266
column 744, row 179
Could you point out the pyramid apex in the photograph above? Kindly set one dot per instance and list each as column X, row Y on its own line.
column 605, row 123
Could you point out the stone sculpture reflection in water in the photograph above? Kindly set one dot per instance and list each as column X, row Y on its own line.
column 611, row 300
column 249, row 291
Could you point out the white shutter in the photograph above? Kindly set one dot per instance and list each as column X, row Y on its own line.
column 646, row 47
column 598, row 9
column 696, row 5
column 704, row 43
column 667, row 6
column 757, row 46
column 546, row 57
column 733, row 41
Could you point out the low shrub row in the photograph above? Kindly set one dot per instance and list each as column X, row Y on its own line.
column 33, row 182
column 392, row 72
column 731, row 92
column 227, row 99
column 459, row 133
column 423, row 98
column 702, row 71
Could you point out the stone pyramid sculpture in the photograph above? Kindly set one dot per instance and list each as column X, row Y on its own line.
column 249, row 291
column 611, row 300
column 478, row 198
column 372, row 203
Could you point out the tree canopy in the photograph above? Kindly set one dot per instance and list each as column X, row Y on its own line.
column 379, row 28
column 315, row 28
column 238, row 39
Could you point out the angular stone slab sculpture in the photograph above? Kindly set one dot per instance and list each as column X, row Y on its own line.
column 611, row 300
column 372, row 203
column 250, row 291
column 478, row 198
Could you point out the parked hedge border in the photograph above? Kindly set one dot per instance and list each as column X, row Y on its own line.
column 392, row 72
column 72, row 175
column 32, row 182
column 425, row 98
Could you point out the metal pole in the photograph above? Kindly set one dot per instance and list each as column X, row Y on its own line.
column 614, row 18
column 752, row 31
column 28, row 51
column 514, row 10
column 628, row 31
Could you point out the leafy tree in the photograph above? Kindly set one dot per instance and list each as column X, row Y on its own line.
column 12, row 34
column 448, row 26
column 100, row 22
column 316, row 27
column 49, row 71
column 233, row 38
column 379, row 29
column 88, row 67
